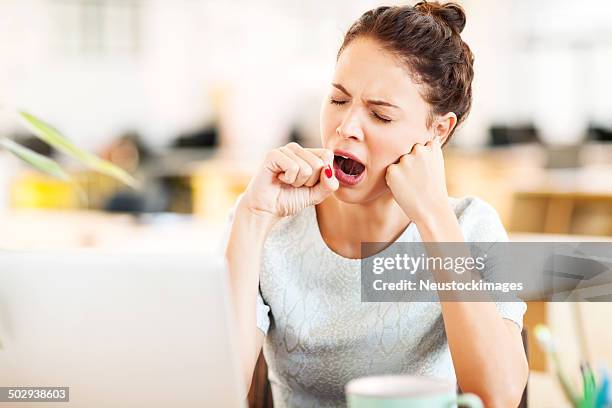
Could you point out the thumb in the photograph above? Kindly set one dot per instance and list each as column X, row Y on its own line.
column 324, row 187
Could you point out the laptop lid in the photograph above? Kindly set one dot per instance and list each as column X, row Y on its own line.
column 119, row 330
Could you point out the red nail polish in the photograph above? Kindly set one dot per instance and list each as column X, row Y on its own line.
column 328, row 171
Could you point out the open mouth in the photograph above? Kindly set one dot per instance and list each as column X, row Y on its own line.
column 348, row 171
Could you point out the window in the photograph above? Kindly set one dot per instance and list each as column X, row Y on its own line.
column 97, row 27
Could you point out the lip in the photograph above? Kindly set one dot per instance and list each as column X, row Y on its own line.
column 346, row 153
column 346, row 180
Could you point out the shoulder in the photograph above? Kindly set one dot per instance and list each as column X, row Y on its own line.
column 479, row 220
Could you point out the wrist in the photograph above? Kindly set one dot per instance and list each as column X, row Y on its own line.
column 253, row 219
column 437, row 221
column 429, row 214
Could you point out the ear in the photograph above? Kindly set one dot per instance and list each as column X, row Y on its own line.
column 444, row 125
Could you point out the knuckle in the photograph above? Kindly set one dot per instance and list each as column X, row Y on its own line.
column 307, row 171
column 293, row 145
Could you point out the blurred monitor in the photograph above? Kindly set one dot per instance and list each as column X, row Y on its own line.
column 502, row 135
column 599, row 133
column 204, row 137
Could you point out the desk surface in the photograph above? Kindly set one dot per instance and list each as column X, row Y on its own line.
column 584, row 182
column 49, row 230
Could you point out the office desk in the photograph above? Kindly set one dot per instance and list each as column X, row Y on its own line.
column 574, row 201
column 49, row 230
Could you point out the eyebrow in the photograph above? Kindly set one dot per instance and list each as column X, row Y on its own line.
column 370, row 101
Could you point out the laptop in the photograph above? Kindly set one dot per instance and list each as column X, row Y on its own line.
column 127, row 330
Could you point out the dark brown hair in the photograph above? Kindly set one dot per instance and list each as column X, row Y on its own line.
column 426, row 37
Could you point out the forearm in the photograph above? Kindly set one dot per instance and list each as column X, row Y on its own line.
column 487, row 358
column 487, row 353
column 243, row 254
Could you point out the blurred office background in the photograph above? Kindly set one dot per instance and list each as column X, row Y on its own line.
column 189, row 94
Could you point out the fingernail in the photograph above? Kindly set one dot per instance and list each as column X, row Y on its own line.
column 328, row 171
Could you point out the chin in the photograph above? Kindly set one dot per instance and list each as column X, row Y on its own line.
column 347, row 196
column 357, row 196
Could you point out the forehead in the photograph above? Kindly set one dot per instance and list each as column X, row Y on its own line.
column 366, row 70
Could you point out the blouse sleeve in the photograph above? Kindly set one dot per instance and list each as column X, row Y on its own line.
column 481, row 223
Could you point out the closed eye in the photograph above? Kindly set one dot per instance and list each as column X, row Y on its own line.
column 374, row 114
column 380, row 118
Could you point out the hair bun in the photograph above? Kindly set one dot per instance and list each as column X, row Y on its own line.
column 451, row 13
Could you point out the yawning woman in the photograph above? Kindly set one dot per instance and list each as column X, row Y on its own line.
column 402, row 84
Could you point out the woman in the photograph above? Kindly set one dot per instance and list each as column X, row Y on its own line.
column 402, row 84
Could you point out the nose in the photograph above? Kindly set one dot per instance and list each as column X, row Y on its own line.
column 350, row 127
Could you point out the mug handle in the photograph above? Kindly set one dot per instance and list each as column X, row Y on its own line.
column 469, row 400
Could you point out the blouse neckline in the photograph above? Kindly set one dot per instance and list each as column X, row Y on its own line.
column 407, row 235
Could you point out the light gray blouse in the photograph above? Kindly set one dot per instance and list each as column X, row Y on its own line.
column 319, row 335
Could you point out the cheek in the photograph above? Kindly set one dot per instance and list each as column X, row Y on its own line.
column 399, row 141
column 387, row 147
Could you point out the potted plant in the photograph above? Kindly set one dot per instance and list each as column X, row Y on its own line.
column 54, row 138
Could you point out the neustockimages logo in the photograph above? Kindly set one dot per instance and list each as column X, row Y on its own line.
column 411, row 264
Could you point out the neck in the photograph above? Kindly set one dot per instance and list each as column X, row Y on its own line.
column 344, row 226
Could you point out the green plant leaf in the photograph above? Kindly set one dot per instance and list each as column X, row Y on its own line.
column 54, row 138
column 38, row 161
